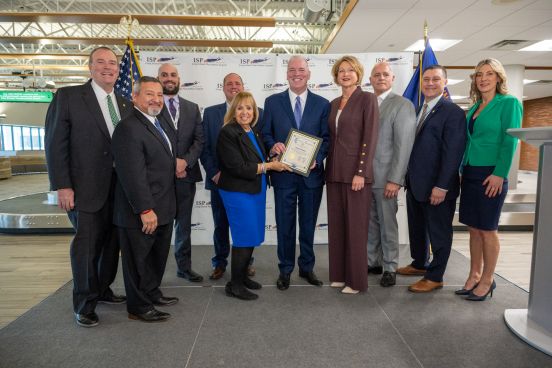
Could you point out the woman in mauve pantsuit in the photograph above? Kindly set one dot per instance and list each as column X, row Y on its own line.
column 353, row 124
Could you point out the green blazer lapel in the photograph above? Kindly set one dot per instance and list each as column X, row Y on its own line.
column 496, row 99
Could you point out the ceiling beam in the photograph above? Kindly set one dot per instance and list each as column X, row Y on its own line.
column 145, row 19
column 137, row 41
column 344, row 16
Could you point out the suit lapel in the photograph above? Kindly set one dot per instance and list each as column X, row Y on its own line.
column 167, row 116
column 90, row 100
column 124, row 106
column 246, row 141
column 430, row 115
column 286, row 104
column 153, row 130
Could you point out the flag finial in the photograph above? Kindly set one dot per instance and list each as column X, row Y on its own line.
column 426, row 29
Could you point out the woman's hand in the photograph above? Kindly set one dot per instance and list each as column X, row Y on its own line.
column 358, row 183
column 277, row 166
column 494, row 185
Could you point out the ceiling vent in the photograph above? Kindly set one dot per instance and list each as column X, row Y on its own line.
column 510, row 45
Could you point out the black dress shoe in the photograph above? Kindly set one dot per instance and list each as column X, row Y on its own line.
column 251, row 284
column 165, row 300
column 112, row 299
column 283, row 281
column 239, row 292
column 87, row 320
column 376, row 270
column 388, row 279
column 311, row 278
column 190, row 275
column 150, row 316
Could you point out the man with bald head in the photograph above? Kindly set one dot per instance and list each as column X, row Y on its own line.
column 184, row 125
column 213, row 117
column 397, row 130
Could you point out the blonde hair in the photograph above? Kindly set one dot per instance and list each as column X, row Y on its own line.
column 230, row 116
column 357, row 67
column 496, row 66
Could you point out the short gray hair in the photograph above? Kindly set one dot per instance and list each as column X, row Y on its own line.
column 144, row 79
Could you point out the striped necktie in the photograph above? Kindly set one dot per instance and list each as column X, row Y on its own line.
column 297, row 112
column 422, row 119
column 112, row 113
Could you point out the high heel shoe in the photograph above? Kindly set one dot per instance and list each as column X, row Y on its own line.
column 465, row 291
column 476, row 298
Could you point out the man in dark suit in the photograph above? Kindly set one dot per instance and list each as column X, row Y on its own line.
column 145, row 201
column 213, row 117
column 432, row 181
column 182, row 121
column 79, row 125
column 301, row 109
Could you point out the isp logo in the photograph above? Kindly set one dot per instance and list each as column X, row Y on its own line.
column 158, row 60
column 191, row 85
column 256, row 61
column 274, row 86
column 391, row 60
column 331, row 62
column 208, row 61
column 330, row 86
column 285, row 62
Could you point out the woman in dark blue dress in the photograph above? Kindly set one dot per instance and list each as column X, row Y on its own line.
column 242, row 186
column 487, row 160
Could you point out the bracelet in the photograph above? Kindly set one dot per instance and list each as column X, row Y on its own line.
column 145, row 212
column 263, row 168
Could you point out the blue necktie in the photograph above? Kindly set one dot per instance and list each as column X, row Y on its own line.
column 161, row 131
column 297, row 112
column 172, row 108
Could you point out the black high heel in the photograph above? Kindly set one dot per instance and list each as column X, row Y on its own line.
column 476, row 298
column 465, row 291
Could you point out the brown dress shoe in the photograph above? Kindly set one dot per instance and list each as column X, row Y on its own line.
column 410, row 271
column 425, row 286
column 218, row 272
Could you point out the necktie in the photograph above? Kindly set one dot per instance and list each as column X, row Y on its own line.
column 172, row 108
column 422, row 119
column 297, row 112
column 161, row 131
column 112, row 113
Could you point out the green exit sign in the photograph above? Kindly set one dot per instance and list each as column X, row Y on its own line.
column 20, row 96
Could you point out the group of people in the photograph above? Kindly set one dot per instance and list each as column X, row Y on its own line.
column 126, row 171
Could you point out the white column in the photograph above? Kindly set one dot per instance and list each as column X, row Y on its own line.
column 515, row 74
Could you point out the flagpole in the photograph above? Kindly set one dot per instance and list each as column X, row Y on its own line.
column 420, row 59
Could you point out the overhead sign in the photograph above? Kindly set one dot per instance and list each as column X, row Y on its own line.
column 21, row 96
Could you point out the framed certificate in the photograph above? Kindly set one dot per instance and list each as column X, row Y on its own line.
column 301, row 150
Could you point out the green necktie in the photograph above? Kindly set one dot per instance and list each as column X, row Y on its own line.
column 112, row 112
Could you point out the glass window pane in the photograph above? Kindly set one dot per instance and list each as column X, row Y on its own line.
column 35, row 139
column 8, row 139
column 17, row 135
column 27, row 138
column 41, row 138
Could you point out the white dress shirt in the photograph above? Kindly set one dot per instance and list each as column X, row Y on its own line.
column 101, row 96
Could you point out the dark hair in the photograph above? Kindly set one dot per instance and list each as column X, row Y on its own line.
column 144, row 79
column 436, row 66
column 98, row 49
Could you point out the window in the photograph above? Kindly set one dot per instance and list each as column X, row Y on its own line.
column 21, row 138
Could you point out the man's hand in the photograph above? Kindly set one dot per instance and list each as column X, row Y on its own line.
column 181, row 166
column 149, row 222
column 216, row 178
column 494, row 185
column 277, row 149
column 66, row 199
column 358, row 183
column 313, row 165
column 391, row 190
column 437, row 196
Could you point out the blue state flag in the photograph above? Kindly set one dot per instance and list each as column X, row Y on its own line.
column 413, row 90
column 129, row 72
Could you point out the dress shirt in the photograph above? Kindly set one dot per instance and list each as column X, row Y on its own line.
column 430, row 105
column 302, row 97
column 101, row 96
column 151, row 119
column 383, row 96
column 176, row 104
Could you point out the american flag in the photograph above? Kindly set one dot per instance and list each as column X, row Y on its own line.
column 129, row 71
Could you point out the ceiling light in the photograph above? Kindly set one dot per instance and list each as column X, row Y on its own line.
column 545, row 45
column 437, row 44
column 529, row 81
column 452, row 82
column 456, row 97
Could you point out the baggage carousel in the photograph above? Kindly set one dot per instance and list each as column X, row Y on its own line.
column 38, row 214
column 33, row 214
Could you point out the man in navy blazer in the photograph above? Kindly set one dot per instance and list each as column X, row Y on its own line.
column 298, row 108
column 432, row 181
column 183, row 124
column 213, row 117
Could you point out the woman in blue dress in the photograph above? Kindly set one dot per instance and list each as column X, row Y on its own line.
column 242, row 186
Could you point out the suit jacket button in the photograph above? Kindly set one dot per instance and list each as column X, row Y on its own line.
column 364, row 145
column 361, row 162
column 359, row 170
column 105, row 153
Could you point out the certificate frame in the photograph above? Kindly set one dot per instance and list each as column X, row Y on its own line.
column 301, row 151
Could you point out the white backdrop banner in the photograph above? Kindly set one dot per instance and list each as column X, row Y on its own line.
column 201, row 78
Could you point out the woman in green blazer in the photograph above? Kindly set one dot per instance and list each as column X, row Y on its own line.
column 487, row 161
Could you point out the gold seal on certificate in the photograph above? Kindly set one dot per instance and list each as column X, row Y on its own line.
column 301, row 150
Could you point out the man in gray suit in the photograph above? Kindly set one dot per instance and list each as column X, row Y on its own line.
column 396, row 136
